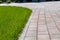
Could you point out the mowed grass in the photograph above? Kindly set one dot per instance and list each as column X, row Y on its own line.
column 12, row 21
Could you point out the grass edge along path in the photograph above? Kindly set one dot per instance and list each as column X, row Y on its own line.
column 12, row 21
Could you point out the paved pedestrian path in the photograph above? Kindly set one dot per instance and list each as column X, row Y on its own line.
column 44, row 23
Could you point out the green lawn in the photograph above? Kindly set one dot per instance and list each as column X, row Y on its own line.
column 12, row 21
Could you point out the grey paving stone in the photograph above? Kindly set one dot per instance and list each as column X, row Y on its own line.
column 55, row 36
column 42, row 29
column 31, row 33
column 32, row 28
column 55, row 39
column 41, row 23
column 30, row 38
column 45, row 22
column 33, row 21
column 51, row 24
column 42, row 32
column 43, row 37
column 54, row 32
column 33, row 25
